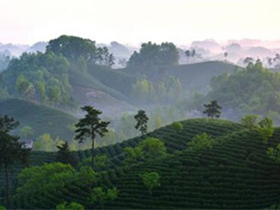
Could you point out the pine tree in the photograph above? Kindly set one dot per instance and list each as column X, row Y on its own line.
column 213, row 109
column 11, row 151
column 64, row 154
column 90, row 126
column 141, row 121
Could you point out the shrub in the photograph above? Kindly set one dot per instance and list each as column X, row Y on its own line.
column 177, row 125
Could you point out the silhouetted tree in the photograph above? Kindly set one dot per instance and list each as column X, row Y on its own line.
column 90, row 126
column 193, row 52
column 141, row 121
column 213, row 109
column 11, row 150
column 248, row 60
column 225, row 55
column 188, row 54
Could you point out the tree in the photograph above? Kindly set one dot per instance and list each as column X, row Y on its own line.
column 26, row 131
column 64, row 155
column 248, row 60
column 11, row 150
column 153, row 54
column 152, row 148
column 99, row 196
column 188, row 54
column 225, row 55
column 52, row 179
column 141, row 121
column 266, row 128
column 213, row 109
column 70, row 206
column 150, row 180
column 133, row 155
column 200, row 142
column 90, row 126
column 249, row 121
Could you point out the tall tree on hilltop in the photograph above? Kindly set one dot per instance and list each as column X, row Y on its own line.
column 11, row 151
column 225, row 55
column 213, row 109
column 141, row 121
column 188, row 55
column 90, row 126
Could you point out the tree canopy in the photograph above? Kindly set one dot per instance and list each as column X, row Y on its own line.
column 74, row 48
column 141, row 121
column 213, row 109
column 153, row 54
column 253, row 90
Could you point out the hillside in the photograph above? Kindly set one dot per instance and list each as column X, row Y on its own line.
column 234, row 174
column 192, row 76
column 41, row 119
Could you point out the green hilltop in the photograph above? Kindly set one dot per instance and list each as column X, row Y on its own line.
column 235, row 173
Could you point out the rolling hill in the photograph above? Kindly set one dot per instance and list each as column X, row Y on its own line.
column 192, row 76
column 234, row 174
column 41, row 119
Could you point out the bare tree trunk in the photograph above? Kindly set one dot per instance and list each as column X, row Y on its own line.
column 92, row 151
column 92, row 147
column 7, row 194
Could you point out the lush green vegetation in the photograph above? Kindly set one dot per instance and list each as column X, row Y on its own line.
column 153, row 54
column 195, row 164
column 209, row 164
column 253, row 90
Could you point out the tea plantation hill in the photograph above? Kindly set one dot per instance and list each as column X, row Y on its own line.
column 42, row 119
column 234, row 174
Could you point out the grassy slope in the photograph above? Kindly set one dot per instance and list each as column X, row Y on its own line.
column 41, row 118
column 236, row 174
column 88, row 81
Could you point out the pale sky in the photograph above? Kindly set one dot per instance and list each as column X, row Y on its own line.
column 133, row 22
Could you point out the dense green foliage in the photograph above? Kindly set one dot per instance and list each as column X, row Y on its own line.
column 11, row 150
column 254, row 90
column 64, row 155
column 83, row 50
column 70, row 206
column 150, row 180
column 42, row 76
column 51, row 76
column 149, row 149
column 249, row 121
column 153, row 54
column 174, row 140
column 200, row 142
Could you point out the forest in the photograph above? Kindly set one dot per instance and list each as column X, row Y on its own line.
column 78, row 133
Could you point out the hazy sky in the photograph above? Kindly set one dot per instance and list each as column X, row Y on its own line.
column 132, row 21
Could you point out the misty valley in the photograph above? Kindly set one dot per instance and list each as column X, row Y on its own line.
column 86, row 125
